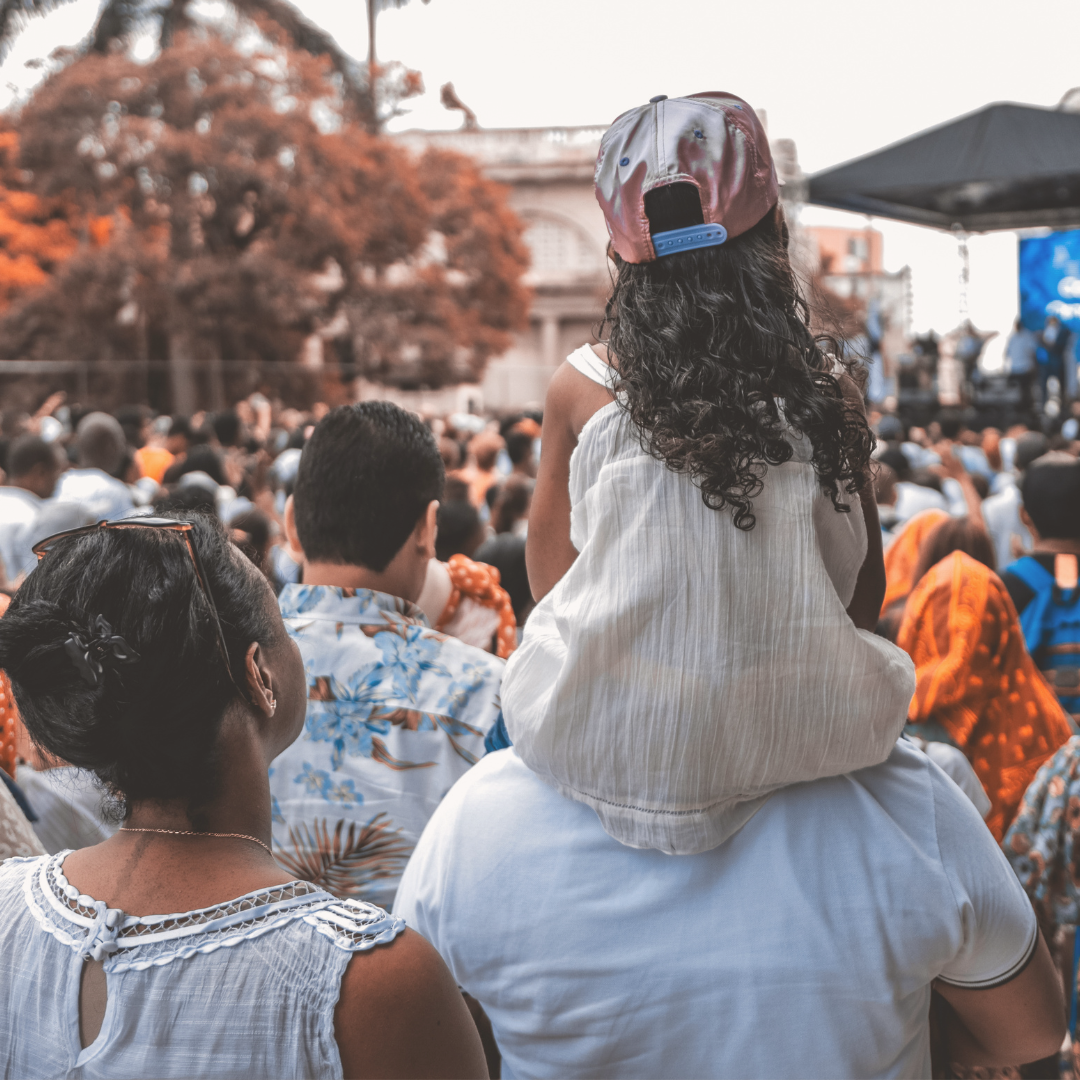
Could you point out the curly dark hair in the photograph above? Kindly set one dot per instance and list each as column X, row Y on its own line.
column 707, row 344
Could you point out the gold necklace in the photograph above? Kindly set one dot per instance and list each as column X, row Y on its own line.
column 190, row 832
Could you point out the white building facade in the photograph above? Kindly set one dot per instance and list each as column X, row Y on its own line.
column 549, row 172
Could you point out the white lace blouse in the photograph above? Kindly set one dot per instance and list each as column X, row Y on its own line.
column 682, row 670
column 241, row 989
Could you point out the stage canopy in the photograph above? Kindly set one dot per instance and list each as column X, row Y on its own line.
column 1006, row 166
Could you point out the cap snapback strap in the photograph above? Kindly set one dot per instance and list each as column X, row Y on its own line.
column 694, row 236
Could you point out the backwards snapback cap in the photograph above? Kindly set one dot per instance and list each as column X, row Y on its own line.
column 714, row 141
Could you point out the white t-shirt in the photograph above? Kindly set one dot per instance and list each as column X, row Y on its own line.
column 804, row 946
column 101, row 494
column 912, row 499
column 19, row 510
column 1001, row 512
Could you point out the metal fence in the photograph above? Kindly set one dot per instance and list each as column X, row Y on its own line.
column 208, row 384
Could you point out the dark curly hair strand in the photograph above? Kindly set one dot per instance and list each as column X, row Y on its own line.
column 708, row 344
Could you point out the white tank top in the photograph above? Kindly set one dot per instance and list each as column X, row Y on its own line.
column 241, row 989
column 682, row 670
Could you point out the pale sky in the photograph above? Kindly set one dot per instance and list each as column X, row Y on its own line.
column 840, row 77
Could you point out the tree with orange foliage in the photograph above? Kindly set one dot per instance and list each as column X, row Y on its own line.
column 36, row 234
column 255, row 213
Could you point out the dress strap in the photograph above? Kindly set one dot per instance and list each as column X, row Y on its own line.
column 592, row 367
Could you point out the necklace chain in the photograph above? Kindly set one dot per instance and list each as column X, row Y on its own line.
column 191, row 832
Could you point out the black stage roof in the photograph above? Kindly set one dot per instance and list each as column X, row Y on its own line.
column 1006, row 166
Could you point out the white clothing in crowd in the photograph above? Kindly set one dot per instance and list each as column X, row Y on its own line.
column 1020, row 352
column 19, row 510
column 823, row 921
column 102, row 495
column 674, row 684
column 1001, row 512
column 912, row 499
column 17, row 836
column 68, row 803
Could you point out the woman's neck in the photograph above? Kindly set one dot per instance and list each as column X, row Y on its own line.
column 183, row 862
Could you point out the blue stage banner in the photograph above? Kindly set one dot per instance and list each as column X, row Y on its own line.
column 1050, row 279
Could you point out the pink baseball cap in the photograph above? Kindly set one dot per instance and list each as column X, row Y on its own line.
column 714, row 141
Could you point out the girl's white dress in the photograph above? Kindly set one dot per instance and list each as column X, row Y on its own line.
column 683, row 670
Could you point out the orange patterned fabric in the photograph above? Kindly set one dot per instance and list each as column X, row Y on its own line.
column 975, row 679
column 480, row 582
column 9, row 719
column 903, row 555
column 9, row 715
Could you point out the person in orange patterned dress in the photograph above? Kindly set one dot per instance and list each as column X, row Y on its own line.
column 976, row 683
column 9, row 715
column 902, row 555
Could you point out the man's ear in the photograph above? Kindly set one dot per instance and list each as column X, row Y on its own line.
column 427, row 529
column 291, row 535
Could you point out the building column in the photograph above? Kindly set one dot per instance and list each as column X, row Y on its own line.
column 549, row 340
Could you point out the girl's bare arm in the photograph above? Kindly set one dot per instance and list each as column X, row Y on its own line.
column 571, row 399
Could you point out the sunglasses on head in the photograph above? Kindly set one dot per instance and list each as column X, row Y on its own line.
column 43, row 547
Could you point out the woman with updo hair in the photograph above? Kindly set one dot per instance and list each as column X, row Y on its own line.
column 151, row 653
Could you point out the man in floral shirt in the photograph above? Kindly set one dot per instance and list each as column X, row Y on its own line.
column 396, row 712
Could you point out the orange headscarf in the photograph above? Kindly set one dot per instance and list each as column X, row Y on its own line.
column 975, row 679
column 9, row 715
column 902, row 557
column 480, row 582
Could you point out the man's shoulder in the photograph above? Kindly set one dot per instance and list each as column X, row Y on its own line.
column 884, row 818
column 1007, row 499
column 501, row 787
column 17, row 506
column 381, row 652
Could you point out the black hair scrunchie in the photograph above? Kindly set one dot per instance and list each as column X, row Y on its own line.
column 99, row 649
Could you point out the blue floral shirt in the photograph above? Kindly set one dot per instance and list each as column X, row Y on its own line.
column 396, row 713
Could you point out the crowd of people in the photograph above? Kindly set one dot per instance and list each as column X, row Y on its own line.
column 703, row 725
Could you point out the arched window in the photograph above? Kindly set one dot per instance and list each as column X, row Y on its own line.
column 559, row 247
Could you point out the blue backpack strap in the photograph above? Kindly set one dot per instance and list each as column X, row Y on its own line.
column 1041, row 582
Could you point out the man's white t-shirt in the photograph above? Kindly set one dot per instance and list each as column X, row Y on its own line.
column 912, row 499
column 804, row 946
column 101, row 494
column 19, row 509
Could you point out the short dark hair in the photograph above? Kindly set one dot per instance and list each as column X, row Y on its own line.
column 519, row 446
column 226, row 427
column 180, row 426
column 459, row 530
column 186, row 500
column 925, row 478
column 1030, row 447
column 955, row 534
column 951, row 423
column 131, row 419
column 200, row 458
column 366, row 476
column 897, row 460
column 1051, row 494
column 148, row 730
column 26, row 452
